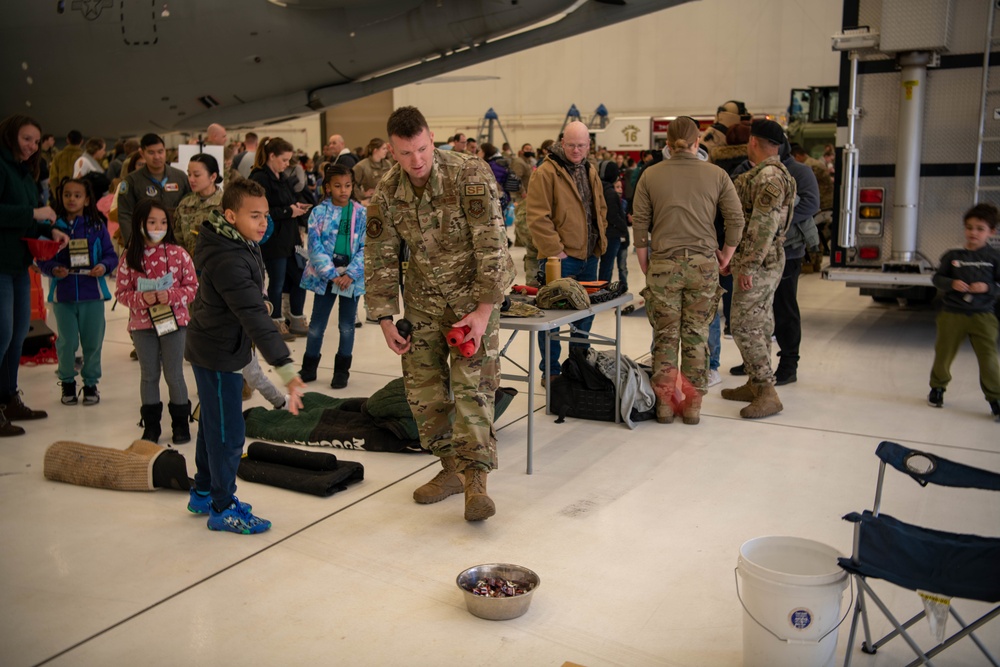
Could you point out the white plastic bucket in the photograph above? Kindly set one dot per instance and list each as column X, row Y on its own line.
column 791, row 595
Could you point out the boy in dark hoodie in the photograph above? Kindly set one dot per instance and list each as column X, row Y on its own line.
column 227, row 315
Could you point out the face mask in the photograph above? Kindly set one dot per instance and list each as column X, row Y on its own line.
column 156, row 237
column 528, row 154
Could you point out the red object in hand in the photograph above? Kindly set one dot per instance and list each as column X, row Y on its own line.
column 456, row 338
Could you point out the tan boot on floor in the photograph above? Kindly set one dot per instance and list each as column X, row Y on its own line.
column 282, row 328
column 446, row 483
column 664, row 412
column 692, row 413
column 478, row 505
column 298, row 325
column 742, row 393
column 765, row 403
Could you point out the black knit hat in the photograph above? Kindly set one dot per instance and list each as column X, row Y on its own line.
column 768, row 129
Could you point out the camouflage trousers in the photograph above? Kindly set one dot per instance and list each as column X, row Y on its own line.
column 522, row 237
column 753, row 323
column 452, row 397
column 682, row 295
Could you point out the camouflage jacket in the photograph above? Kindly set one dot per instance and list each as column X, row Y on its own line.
column 190, row 213
column 767, row 193
column 455, row 234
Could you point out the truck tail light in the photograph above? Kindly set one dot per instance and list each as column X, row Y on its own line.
column 871, row 195
column 868, row 252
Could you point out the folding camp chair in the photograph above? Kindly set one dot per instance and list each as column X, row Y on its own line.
column 943, row 563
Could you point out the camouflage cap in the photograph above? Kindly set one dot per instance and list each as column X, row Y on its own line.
column 521, row 309
column 564, row 293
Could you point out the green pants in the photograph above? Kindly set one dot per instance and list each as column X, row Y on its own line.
column 981, row 330
column 80, row 323
column 682, row 295
column 452, row 397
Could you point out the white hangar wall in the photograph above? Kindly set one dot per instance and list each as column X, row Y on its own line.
column 683, row 60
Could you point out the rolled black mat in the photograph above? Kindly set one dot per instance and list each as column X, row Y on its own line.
column 265, row 452
column 298, row 470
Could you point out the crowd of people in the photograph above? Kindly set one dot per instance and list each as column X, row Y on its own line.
column 214, row 266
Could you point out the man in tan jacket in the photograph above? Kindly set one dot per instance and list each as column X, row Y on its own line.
column 567, row 217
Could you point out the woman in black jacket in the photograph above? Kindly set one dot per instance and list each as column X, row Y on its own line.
column 283, row 271
column 617, row 231
column 21, row 216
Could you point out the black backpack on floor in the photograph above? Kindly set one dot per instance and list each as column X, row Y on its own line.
column 582, row 391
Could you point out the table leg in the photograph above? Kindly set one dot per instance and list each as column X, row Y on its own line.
column 531, row 401
column 618, row 363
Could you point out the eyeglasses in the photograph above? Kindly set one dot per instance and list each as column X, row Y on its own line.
column 576, row 147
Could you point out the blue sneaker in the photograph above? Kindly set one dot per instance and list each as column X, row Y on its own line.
column 236, row 519
column 199, row 504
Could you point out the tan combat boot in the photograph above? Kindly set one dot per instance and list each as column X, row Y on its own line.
column 742, row 393
column 478, row 505
column 765, row 403
column 692, row 413
column 664, row 412
column 445, row 483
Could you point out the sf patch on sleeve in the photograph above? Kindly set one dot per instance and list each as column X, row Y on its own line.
column 769, row 197
column 374, row 227
column 475, row 197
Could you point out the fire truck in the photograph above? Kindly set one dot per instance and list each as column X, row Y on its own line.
column 918, row 138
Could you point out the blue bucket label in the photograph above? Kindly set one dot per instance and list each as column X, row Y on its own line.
column 800, row 618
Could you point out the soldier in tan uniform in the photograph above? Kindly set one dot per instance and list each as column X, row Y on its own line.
column 445, row 206
column 675, row 239
column 369, row 171
column 767, row 193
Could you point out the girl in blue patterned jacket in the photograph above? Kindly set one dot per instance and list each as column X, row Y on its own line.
column 335, row 269
column 78, row 288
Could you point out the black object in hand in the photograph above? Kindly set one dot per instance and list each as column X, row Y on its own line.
column 404, row 327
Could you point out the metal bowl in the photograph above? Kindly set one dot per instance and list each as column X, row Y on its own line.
column 497, row 609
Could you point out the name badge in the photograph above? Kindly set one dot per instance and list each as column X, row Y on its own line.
column 171, row 187
column 79, row 254
column 163, row 319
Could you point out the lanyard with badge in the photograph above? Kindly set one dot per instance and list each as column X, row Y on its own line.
column 79, row 253
column 161, row 314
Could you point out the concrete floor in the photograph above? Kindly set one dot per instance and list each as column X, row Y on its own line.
column 635, row 534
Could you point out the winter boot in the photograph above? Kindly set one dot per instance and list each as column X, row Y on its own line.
column 150, row 421
column 692, row 413
column 341, row 371
column 309, row 365
column 15, row 409
column 478, row 505
column 298, row 326
column 741, row 393
column 765, row 402
column 282, row 328
column 446, row 483
column 7, row 429
column 180, row 413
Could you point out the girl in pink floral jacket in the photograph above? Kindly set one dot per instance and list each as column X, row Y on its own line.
column 157, row 282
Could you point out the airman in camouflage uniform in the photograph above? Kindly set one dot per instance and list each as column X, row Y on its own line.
column 445, row 206
column 190, row 213
column 767, row 193
column 675, row 239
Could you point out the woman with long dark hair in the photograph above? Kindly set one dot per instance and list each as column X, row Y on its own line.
column 20, row 217
column 270, row 163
